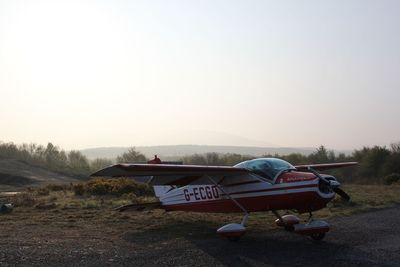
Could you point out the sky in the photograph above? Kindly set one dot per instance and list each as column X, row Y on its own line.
column 249, row 73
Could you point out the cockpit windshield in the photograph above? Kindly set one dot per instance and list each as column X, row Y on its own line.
column 266, row 167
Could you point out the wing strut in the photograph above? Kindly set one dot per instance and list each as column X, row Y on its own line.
column 246, row 214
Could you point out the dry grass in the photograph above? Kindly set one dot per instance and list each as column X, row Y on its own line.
column 64, row 209
column 363, row 198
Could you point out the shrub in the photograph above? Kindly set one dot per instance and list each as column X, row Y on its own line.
column 79, row 189
column 391, row 178
column 43, row 191
column 130, row 196
column 57, row 187
column 115, row 187
column 24, row 199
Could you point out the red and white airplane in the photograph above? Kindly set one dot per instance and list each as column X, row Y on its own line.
column 263, row 184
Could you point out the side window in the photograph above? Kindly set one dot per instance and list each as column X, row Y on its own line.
column 261, row 168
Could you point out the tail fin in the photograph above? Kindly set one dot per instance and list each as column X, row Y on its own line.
column 161, row 190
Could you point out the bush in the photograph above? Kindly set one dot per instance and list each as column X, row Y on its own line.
column 43, row 191
column 391, row 178
column 79, row 189
column 130, row 196
column 24, row 199
column 57, row 187
column 115, row 187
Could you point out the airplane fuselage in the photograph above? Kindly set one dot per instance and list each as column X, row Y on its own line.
column 291, row 190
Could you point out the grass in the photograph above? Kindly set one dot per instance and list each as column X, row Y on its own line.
column 61, row 207
column 363, row 198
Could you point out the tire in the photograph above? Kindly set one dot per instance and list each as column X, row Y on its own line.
column 318, row 237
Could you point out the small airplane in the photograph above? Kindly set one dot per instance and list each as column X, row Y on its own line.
column 263, row 184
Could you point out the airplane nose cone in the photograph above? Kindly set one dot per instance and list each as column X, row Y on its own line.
column 334, row 184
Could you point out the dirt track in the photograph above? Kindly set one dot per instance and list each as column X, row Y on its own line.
column 369, row 239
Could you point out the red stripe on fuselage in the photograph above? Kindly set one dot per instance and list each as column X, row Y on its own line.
column 301, row 201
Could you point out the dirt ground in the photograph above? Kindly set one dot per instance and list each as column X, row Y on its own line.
column 93, row 237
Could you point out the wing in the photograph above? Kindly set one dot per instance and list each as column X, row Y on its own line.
column 165, row 174
column 325, row 166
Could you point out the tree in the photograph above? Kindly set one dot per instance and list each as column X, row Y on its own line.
column 99, row 163
column 131, row 156
column 55, row 159
column 195, row 159
column 395, row 147
column 8, row 150
column 392, row 163
column 296, row 158
column 319, row 156
column 213, row 159
column 233, row 159
column 78, row 163
column 372, row 162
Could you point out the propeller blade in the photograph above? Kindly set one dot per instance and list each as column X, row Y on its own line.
column 341, row 193
column 335, row 189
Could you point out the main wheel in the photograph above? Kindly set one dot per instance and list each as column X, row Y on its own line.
column 318, row 237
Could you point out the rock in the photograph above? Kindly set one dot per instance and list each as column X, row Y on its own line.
column 6, row 208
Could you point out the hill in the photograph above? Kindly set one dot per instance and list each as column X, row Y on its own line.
column 16, row 175
column 177, row 151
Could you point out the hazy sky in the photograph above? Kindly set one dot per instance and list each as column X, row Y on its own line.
column 122, row 73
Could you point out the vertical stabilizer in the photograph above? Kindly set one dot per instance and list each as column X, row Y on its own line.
column 161, row 190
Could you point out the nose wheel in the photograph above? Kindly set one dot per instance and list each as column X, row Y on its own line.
column 316, row 229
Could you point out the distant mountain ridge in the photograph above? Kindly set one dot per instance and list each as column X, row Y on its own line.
column 177, row 151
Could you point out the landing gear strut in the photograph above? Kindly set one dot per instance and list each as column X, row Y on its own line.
column 287, row 221
column 232, row 231
column 310, row 217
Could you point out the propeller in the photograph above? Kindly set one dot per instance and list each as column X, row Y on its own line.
column 341, row 193
column 332, row 184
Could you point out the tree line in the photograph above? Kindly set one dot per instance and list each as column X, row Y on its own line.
column 53, row 158
column 377, row 164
